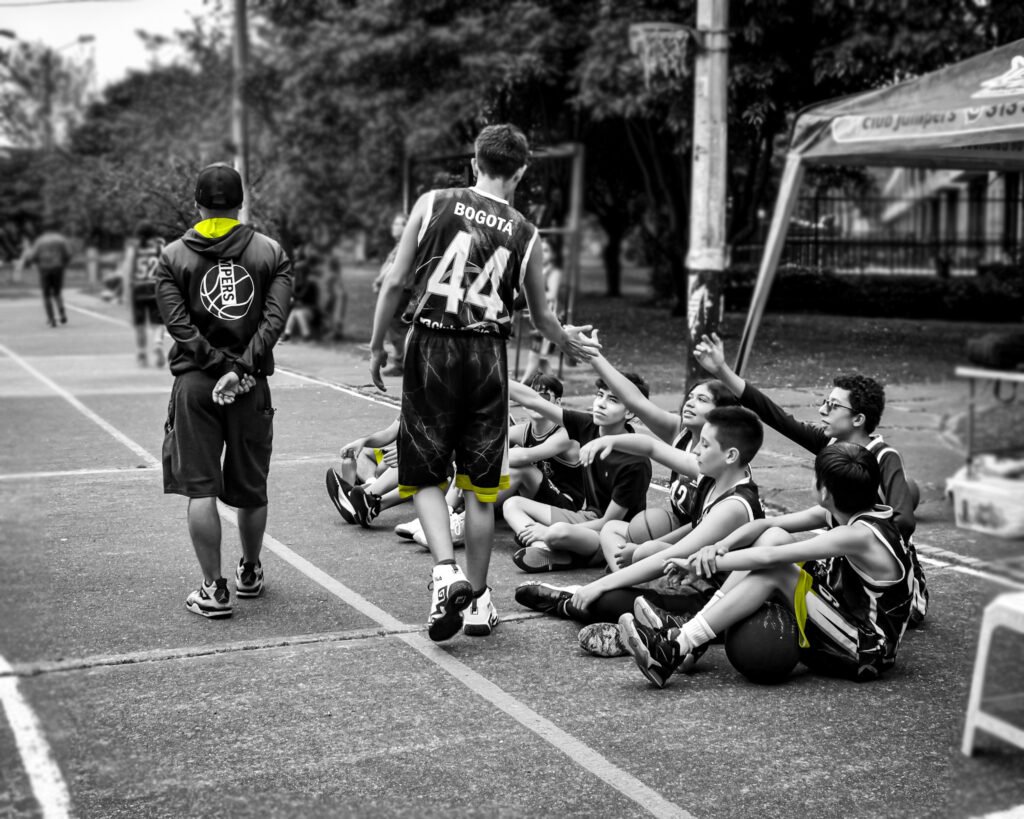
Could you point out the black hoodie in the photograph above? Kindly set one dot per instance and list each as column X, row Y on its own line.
column 223, row 291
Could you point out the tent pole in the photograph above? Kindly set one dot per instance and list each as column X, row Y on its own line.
column 789, row 188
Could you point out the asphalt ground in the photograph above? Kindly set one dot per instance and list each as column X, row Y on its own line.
column 325, row 698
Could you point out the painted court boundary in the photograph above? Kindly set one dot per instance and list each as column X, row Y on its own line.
column 51, row 791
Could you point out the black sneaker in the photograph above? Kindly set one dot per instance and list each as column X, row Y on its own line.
column 210, row 601
column 649, row 615
column 656, row 654
column 545, row 597
column 248, row 579
column 365, row 505
column 338, row 490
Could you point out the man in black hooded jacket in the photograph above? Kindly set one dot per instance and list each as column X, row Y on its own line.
column 223, row 290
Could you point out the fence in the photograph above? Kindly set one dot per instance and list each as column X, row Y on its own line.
column 942, row 235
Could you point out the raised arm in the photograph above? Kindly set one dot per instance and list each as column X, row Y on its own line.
column 636, row 443
column 528, row 399
column 661, row 422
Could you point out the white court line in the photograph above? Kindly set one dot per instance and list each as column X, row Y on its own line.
column 43, row 773
column 584, row 756
column 94, row 314
column 82, row 408
column 73, row 473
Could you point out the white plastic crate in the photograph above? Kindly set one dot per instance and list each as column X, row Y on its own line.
column 985, row 503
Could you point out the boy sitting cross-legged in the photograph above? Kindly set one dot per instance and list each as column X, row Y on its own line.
column 725, row 499
column 851, row 611
column 551, row 537
column 543, row 460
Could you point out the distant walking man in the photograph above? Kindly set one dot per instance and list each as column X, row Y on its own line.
column 51, row 253
column 223, row 291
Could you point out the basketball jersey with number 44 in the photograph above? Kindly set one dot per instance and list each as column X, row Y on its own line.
column 470, row 260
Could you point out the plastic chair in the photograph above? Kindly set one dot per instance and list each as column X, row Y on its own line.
column 1007, row 611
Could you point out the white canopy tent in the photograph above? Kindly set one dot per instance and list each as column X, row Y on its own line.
column 967, row 116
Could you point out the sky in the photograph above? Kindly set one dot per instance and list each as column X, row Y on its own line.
column 116, row 49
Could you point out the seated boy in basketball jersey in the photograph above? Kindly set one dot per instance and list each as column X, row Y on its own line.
column 553, row 537
column 725, row 499
column 851, row 412
column 465, row 252
column 543, row 460
column 851, row 610
column 368, row 482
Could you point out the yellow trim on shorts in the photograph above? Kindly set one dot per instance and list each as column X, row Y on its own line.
column 408, row 491
column 803, row 587
column 484, row 494
column 378, row 455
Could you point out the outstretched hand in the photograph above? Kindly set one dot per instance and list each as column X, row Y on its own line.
column 578, row 344
column 710, row 353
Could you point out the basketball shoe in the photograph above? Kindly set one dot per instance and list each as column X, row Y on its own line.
column 211, row 601
column 249, row 579
column 365, row 505
column 481, row 618
column 337, row 490
column 452, row 593
column 456, row 525
column 409, row 530
column 602, row 640
column 660, row 620
column 654, row 652
column 545, row 597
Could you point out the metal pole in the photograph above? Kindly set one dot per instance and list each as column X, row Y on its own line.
column 574, row 236
column 239, row 124
column 706, row 259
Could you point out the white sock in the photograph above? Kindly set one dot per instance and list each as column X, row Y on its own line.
column 695, row 633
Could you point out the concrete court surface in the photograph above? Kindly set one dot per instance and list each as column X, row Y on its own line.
column 325, row 698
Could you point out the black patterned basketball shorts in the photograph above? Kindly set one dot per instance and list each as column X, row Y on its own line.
column 454, row 406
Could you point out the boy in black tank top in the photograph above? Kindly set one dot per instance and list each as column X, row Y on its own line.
column 465, row 253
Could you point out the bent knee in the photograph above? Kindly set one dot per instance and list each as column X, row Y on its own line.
column 774, row 537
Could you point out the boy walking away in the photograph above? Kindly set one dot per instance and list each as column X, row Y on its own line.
column 141, row 275
column 223, row 290
column 552, row 537
column 851, row 412
column 464, row 251
column 851, row 611
column 51, row 254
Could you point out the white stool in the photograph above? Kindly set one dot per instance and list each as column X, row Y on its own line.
column 1007, row 610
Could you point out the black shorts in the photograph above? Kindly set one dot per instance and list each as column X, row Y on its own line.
column 145, row 309
column 198, row 431
column 454, row 405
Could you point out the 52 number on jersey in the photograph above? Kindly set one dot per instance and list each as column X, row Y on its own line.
column 454, row 261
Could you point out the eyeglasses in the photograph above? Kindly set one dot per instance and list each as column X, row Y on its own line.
column 831, row 404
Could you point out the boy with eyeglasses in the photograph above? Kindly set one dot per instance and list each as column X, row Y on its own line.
column 849, row 413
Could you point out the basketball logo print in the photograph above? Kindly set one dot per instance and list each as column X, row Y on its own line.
column 227, row 290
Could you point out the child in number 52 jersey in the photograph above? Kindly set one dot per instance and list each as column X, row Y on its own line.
column 465, row 253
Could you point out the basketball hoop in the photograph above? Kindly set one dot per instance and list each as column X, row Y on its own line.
column 661, row 48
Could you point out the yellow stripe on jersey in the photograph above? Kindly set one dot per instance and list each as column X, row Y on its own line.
column 484, row 494
column 803, row 588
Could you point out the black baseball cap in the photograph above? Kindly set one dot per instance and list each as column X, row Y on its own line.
column 219, row 187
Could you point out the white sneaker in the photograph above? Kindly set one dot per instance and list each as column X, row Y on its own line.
column 457, row 521
column 409, row 530
column 481, row 618
column 457, row 526
column 452, row 593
